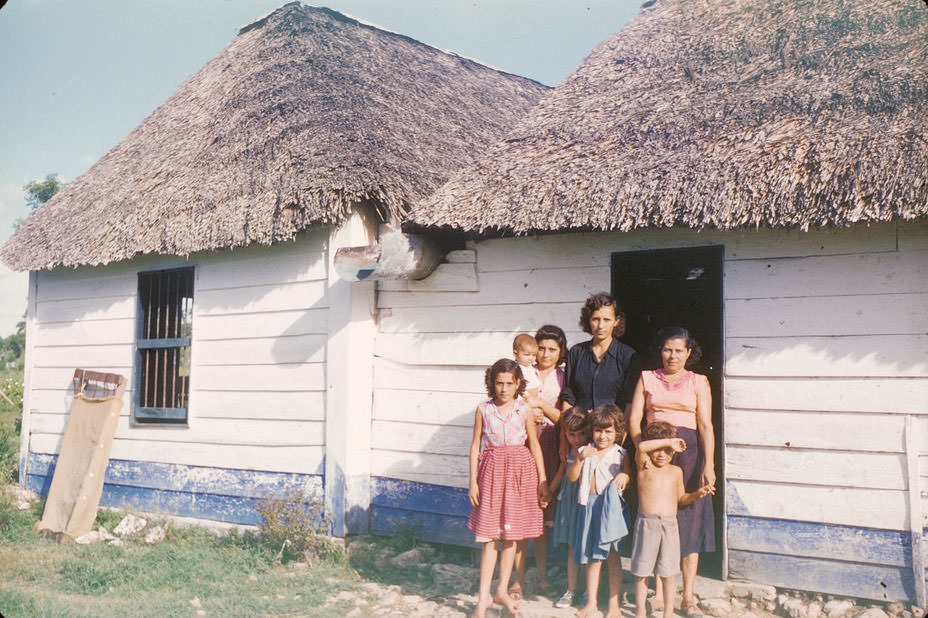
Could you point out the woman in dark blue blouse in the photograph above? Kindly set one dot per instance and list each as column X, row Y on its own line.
column 603, row 369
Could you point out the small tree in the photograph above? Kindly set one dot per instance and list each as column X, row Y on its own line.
column 13, row 346
column 38, row 192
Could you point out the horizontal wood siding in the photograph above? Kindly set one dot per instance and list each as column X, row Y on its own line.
column 260, row 327
column 825, row 357
column 217, row 494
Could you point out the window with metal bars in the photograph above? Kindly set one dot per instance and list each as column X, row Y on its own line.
column 165, row 327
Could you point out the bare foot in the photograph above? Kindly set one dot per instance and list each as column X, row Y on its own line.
column 544, row 587
column 690, row 609
column 502, row 597
column 614, row 612
column 480, row 611
column 587, row 611
column 515, row 591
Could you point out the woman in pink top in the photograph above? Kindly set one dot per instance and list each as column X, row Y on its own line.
column 682, row 398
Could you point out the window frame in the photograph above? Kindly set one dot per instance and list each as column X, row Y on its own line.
column 154, row 415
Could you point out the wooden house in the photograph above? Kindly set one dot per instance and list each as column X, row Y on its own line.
column 196, row 259
column 753, row 170
column 758, row 172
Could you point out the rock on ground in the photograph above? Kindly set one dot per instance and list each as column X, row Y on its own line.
column 155, row 535
column 130, row 525
column 838, row 608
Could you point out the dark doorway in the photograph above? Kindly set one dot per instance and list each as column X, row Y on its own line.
column 679, row 287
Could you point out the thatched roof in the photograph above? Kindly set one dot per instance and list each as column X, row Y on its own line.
column 723, row 113
column 305, row 114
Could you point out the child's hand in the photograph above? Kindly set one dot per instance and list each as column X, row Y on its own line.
column 474, row 495
column 621, row 481
column 548, row 494
column 642, row 460
column 533, row 399
column 678, row 445
column 543, row 494
column 586, row 451
column 705, row 490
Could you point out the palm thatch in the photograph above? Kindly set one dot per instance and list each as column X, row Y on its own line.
column 722, row 113
column 304, row 115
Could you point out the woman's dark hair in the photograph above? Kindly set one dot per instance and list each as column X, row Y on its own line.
column 550, row 331
column 503, row 365
column 676, row 332
column 596, row 302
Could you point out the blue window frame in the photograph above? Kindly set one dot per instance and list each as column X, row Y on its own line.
column 165, row 327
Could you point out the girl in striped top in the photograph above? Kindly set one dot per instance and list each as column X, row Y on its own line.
column 508, row 487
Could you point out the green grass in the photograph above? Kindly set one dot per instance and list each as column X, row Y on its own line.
column 231, row 576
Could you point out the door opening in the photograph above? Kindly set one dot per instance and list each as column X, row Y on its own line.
column 679, row 287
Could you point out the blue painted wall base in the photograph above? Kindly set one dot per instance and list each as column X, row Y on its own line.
column 433, row 513
column 216, row 494
column 857, row 562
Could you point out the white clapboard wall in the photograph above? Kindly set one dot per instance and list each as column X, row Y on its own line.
column 260, row 326
column 825, row 388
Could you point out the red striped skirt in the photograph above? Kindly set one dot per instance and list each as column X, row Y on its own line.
column 508, row 482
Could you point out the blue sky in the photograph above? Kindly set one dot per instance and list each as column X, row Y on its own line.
column 77, row 77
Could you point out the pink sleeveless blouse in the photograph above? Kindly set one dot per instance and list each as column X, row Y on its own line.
column 674, row 404
column 499, row 430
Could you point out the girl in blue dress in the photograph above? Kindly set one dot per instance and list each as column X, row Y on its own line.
column 602, row 472
column 576, row 427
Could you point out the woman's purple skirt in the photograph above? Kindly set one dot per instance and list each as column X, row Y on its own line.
column 696, row 521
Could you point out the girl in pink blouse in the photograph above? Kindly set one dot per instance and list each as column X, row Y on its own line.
column 508, row 486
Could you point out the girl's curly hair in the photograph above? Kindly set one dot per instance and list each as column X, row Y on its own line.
column 607, row 414
column 503, row 365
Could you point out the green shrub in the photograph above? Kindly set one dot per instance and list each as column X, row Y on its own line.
column 108, row 518
column 12, row 387
column 294, row 526
column 9, row 453
column 406, row 536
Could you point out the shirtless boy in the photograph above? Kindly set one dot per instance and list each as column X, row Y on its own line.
column 656, row 547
